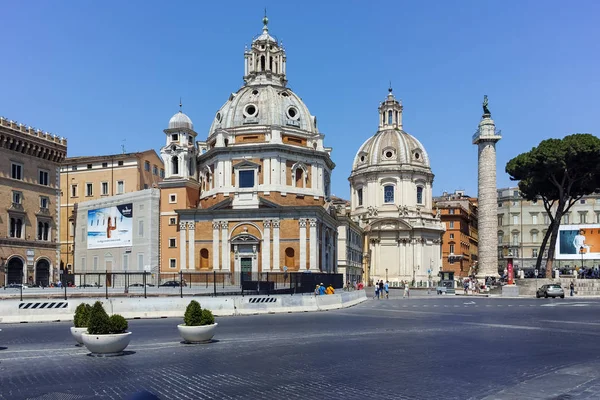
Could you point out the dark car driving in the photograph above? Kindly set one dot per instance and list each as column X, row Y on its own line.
column 170, row 284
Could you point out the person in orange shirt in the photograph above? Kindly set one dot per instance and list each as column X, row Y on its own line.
column 330, row 290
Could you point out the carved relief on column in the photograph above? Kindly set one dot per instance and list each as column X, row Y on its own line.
column 302, row 222
column 191, row 225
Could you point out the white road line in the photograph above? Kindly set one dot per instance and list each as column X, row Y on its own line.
column 527, row 328
column 571, row 322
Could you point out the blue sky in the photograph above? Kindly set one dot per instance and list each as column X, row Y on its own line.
column 106, row 71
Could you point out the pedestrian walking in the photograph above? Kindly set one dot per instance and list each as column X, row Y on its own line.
column 376, row 291
column 406, row 290
column 572, row 287
column 386, row 287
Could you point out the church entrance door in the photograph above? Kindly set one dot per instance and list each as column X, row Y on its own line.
column 246, row 268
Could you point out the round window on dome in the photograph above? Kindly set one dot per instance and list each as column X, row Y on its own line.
column 362, row 158
column 417, row 156
column 388, row 154
column 284, row 94
column 292, row 113
column 219, row 117
column 255, row 92
column 250, row 111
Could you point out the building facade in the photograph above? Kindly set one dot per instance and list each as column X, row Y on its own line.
column 118, row 234
column 100, row 177
column 460, row 241
column 254, row 196
column 391, row 196
column 350, row 255
column 29, row 198
column 522, row 225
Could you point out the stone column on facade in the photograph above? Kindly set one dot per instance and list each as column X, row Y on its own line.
column 191, row 244
column 266, row 171
column 485, row 139
column 276, row 245
column 313, row 245
column 323, row 266
column 302, row 244
column 182, row 255
column 225, row 265
column 266, row 247
column 215, row 247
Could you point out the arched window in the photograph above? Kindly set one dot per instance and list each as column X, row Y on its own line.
column 174, row 165
column 40, row 230
column 396, row 115
column 359, row 196
column 327, row 182
column 191, row 169
column 419, row 195
column 46, row 230
column 270, row 63
column 388, row 194
column 299, row 172
column 204, row 259
column 390, row 117
column 289, row 257
column 262, row 63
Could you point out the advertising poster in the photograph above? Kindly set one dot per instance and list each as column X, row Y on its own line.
column 110, row 227
column 573, row 239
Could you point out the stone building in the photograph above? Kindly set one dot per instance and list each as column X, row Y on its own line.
column 133, row 246
column 522, row 225
column 486, row 138
column 29, row 198
column 99, row 177
column 351, row 236
column 460, row 241
column 391, row 196
column 254, row 195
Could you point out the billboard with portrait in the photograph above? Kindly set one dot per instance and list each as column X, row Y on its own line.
column 573, row 240
column 110, row 227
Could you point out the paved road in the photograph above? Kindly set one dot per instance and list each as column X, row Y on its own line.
column 418, row 348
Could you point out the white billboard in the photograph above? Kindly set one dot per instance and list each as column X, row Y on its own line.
column 576, row 240
column 110, row 227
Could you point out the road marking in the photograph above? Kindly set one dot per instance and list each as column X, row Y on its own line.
column 571, row 322
column 528, row 328
column 427, row 312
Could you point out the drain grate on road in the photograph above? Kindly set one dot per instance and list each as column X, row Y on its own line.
column 39, row 306
column 263, row 300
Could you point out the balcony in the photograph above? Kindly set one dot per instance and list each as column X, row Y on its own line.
column 43, row 211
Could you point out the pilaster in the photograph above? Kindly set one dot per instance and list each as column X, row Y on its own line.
column 266, row 247
column 302, row 236
column 182, row 255
column 191, row 244
column 225, row 265
column 313, row 245
column 275, row 224
column 215, row 249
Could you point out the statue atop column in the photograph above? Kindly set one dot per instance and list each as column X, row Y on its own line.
column 486, row 110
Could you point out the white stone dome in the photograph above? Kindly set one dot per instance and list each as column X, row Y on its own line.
column 268, row 104
column 391, row 147
column 180, row 120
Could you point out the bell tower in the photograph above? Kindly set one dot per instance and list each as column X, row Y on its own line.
column 179, row 153
column 265, row 61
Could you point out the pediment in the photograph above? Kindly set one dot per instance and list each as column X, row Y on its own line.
column 389, row 224
column 222, row 205
column 246, row 164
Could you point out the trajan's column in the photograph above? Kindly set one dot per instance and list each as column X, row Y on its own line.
column 485, row 138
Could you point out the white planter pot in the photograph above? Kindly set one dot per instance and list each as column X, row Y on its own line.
column 197, row 334
column 106, row 345
column 77, row 332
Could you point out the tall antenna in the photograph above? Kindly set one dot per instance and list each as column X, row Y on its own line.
column 123, row 146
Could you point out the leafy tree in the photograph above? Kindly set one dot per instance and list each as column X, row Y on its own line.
column 559, row 172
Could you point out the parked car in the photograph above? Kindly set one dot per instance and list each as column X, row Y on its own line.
column 16, row 286
column 141, row 285
column 89, row 285
column 170, row 284
column 551, row 290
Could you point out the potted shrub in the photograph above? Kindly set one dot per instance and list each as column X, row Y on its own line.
column 80, row 320
column 106, row 335
column 199, row 325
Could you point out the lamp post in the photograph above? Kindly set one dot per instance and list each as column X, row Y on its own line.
column 386, row 274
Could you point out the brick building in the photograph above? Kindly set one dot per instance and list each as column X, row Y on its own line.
column 460, row 242
column 254, row 196
column 100, row 177
column 29, row 198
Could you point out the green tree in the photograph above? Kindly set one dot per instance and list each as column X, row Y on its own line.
column 559, row 172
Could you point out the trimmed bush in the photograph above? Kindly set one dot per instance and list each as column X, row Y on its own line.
column 207, row 317
column 99, row 323
column 193, row 314
column 118, row 324
column 82, row 315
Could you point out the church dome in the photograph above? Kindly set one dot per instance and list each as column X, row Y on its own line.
column 391, row 147
column 264, row 105
column 180, row 120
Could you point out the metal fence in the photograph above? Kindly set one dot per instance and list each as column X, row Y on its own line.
column 204, row 283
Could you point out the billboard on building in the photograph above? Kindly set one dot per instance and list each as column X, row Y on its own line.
column 110, row 227
column 575, row 239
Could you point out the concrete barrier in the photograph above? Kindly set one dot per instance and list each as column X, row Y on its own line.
column 44, row 310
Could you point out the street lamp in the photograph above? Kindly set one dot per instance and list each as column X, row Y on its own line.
column 386, row 275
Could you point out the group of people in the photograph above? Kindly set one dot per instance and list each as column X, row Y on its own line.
column 380, row 288
column 354, row 285
column 321, row 290
column 471, row 285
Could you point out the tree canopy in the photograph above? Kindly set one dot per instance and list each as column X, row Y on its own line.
column 560, row 172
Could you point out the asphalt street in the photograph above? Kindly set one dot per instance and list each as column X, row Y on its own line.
column 419, row 348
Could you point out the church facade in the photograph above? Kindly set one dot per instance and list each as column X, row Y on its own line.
column 254, row 196
column 391, row 197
